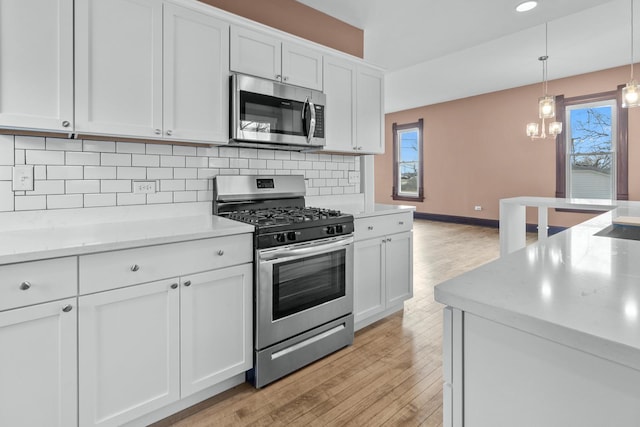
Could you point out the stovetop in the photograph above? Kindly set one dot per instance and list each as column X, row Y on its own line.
column 285, row 216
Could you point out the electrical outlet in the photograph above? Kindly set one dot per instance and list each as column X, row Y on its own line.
column 354, row 177
column 23, row 178
column 144, row 187
column 477, row 207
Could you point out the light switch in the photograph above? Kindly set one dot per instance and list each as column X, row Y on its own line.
column 23, row 178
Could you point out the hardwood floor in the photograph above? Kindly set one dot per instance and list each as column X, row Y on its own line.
column 390, row 376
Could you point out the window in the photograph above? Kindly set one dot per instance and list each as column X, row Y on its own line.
column 407, row 162
column 591, row 154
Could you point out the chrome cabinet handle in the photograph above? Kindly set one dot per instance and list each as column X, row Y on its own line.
column 174, row 286
column 285, row 78
column 401, row 222
column 388, row 239
column 67, row 308
column 187, row 283
column 66, row 124
column 157, row 131
column 135, row 267
column 25, row 286
column 278, row 76
column 370, row 227
column 169, row 132
column 220, row 252
column 384, row 241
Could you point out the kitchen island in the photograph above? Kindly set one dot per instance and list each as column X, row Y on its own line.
column 548, row 334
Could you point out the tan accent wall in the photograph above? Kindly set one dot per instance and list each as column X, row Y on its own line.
column 300, row 20
column 476, row 151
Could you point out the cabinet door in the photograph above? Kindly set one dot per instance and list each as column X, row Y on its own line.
column 129, row 352
column 301, row 66
column 255, row 53
column 399, row 263
column 36, row 64
column 119, row 67
column 369, row 273
column 217, row 326
column 196, row 70
column 38, row 365
column 370, row 111
column 340, row 87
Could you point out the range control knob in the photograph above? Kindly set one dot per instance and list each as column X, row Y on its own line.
column 291, row 235
column 339, row 229
column 331, row 230
column 281, row 238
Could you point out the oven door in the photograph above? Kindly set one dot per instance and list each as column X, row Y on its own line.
column 302, row 286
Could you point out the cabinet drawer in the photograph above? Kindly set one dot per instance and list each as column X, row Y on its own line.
column 37, row 281
column 110, row 270
column 375, row 226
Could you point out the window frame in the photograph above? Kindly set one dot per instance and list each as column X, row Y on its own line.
column 395, row 193
column 622, row 148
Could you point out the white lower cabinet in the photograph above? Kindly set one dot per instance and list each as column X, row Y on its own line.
column 38, row 365
column 383, row 266
column 145, row 346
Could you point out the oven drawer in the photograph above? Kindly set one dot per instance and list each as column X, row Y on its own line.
column 38, row 281
column 382, row 225
column 110, row 270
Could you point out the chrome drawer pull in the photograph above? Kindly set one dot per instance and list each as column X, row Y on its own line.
column 401, row 222
column 25, row 286
column 187, row 283
column 174, row 286
column 67, row 308
column 370, row 227
column 220, row 252
column 135, row 267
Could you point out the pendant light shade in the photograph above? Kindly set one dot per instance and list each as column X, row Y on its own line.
column 547, row 107
column 631, row 92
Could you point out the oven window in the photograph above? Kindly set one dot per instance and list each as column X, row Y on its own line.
column 268, row 114
column 307, row 282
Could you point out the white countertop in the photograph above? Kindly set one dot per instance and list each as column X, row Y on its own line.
column 52, row 242
column 380, row 209
column 574, row 288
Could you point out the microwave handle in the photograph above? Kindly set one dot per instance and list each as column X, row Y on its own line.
column 312, row 121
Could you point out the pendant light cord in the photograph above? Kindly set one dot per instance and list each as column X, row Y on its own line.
column 545, row 83
column 632, row 40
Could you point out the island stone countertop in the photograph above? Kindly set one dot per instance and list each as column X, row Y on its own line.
column 576, row 288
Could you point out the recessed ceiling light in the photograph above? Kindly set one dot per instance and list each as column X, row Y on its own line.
column 526, row 6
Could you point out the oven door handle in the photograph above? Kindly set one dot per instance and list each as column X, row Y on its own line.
column 312, row 250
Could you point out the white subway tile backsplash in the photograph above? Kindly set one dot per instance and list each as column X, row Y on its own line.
column 99, row 172
column 115, row 186
column 183, row 150
column 63, row 144
column 66, row 201
column 185, row 196
column 82, row 158
column 7, row 150
column 52, row 186
column 29, row 142
column 74, row 173
column 6, row 196
column 115, row 159
column 83, row 186
column 130, row 147
column 172, row 161
column 99, row 200
column 125, row 172
column 30, row 203
column 124, row 199
column 99, row 146
column 172, row 185
column 42, row 157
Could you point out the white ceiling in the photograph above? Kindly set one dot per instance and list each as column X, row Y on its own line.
column 439, row 50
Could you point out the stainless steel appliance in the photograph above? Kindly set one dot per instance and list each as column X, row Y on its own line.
column 269, row 114
column 303, row 282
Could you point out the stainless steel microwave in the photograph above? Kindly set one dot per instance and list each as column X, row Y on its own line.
column 276, row 115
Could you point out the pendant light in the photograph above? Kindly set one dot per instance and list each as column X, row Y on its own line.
column 631, row 92
column 546, row 103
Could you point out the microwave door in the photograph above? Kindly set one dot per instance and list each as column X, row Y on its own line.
column 309, row 119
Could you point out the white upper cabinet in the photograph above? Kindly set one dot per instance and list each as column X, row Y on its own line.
column 119, row 67
column 355, row 107
column 152, row 70
column 262, row 55
column 196, row 76
column 340, row 88
column 370, row 110
column 36, row 64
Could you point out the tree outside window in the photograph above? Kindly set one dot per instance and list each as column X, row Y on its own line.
column 407, row 162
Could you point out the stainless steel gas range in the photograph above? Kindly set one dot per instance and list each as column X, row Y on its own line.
column 303, row 281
